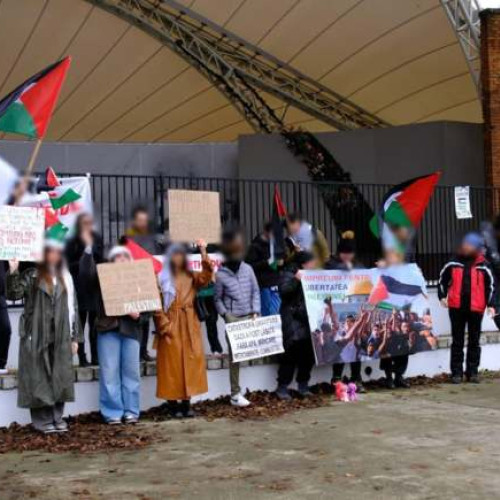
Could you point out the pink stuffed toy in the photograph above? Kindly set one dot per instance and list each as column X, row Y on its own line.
column 341, row 392
column 351, row 391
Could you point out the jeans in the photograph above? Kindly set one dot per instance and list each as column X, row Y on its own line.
column 270, row 301
column 5, row 334
column 120, row 376
column 234, row 368
column 459, row 320
column 299, row 356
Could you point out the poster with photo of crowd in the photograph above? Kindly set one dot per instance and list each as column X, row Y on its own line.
column 368, row 314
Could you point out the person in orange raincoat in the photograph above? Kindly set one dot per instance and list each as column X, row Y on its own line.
column 180, row 362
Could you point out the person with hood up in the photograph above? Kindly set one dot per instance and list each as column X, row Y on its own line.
column 345, row 260
column 467, row 288
column 298, row 355
column 237, row 298
column 180, row 361
column 49, row 331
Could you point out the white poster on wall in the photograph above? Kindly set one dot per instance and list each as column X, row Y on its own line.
column 462, row 202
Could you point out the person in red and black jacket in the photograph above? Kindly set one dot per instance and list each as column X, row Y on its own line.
column 467, row 288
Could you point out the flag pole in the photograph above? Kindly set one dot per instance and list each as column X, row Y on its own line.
column 34, row 155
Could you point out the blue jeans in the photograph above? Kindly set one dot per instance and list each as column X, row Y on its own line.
column 120, row 376
column 270, row 301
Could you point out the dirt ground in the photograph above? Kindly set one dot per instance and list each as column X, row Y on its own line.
column 438, row 442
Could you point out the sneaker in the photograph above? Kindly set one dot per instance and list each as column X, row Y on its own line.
column 239, row 400
column 456, row 379
column 401, row 383
column 389, row 383
column 47, row 429
column 61, row 426
column 360, row 388
column 114, row 421
column 282, row 393
column 304, row 391
column 473, row 379
column 130, row 419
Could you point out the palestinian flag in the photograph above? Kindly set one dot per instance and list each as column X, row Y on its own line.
column 51, row 178
column 278, row 240
column 390, row 293
column 404, row 205
column 28, row 108
column 139, row 253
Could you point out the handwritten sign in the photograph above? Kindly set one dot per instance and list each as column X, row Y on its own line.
column 194, row 261
column 21, row 233
column 194, row 215
column 129, row 287
column 253, row 339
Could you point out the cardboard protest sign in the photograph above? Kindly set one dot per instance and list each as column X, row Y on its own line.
column 194, row 215
column 368, row 314
column 194, row 261
column 129, row 287
column 253, row 339
column 21, row 233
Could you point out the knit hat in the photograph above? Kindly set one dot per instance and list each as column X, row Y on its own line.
column 346, row 244
column 119, row 250
column 474, row 240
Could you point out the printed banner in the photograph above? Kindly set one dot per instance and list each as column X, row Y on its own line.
column 368, row 314
column 21, row 233
column 462, row 202
column 253, row 339
column 194, row 261
column 129, row 287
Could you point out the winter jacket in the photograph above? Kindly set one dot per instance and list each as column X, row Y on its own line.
column 335, row 264
column 468, row 284
column 78, row 261
column 258, row 257
column 294, row 319
column 46, row 373
column 237, row 294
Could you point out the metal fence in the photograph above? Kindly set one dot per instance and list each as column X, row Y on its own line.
column 249, row 203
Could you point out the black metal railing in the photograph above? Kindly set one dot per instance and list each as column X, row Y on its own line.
column 326, row 205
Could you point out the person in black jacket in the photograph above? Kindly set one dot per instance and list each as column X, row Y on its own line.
column 5, row 329
column 297, row 340
column 345, row 260
column 266, row 271
column 85, row 248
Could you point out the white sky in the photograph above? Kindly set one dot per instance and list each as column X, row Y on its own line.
column 489, row 3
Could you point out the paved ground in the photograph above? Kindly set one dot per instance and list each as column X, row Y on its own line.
column 441, row 442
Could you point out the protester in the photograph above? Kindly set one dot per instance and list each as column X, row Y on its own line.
column 141, row 232
column 50, row 332
column 266, row 269
column 237, row 298
column 85, row 249
column 345, row 260
column 491, row 235
column 298, row 353
column 303, row 236
column 5, row 329
column 467, row 288
column 118, row 343
column 181, row 371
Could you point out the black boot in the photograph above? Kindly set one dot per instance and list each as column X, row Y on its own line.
column 174, row 409
column 389, row 382
column 82, row 358
column 401, row 382
column 187, row 411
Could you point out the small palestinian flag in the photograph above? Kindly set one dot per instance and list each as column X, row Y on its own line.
column 51, row 178
column 278, row 241
column 28, row 108
column 404, row 205
column 390, row 293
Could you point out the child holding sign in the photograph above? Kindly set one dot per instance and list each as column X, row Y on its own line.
column 50, row 332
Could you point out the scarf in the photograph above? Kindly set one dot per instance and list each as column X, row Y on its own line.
column 166, row 278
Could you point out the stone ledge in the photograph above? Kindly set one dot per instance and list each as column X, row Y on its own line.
column 91, row 373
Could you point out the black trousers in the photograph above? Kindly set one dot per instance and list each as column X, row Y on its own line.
column 299, row 356
column 211, row 323
column 5, row 334
column 338, row 370
column 88, row 317
column 145, row 334
column 396, row 365
column 459, row 321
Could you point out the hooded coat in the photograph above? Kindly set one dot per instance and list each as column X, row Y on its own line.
column 180, row 360
column 46, row 375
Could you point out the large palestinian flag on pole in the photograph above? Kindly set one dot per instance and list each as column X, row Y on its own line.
column 404, row 205
column 278, row 238
column 28, row 108
column 389, row 293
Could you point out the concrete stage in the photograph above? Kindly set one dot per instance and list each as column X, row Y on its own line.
column 426, row 443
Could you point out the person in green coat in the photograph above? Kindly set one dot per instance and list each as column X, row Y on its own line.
column 49, row 333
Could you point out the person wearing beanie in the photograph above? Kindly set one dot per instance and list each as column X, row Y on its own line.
column 345, row 260
column 50, row 332
column 298, row 356
column 467, row 288
column 118, row 345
